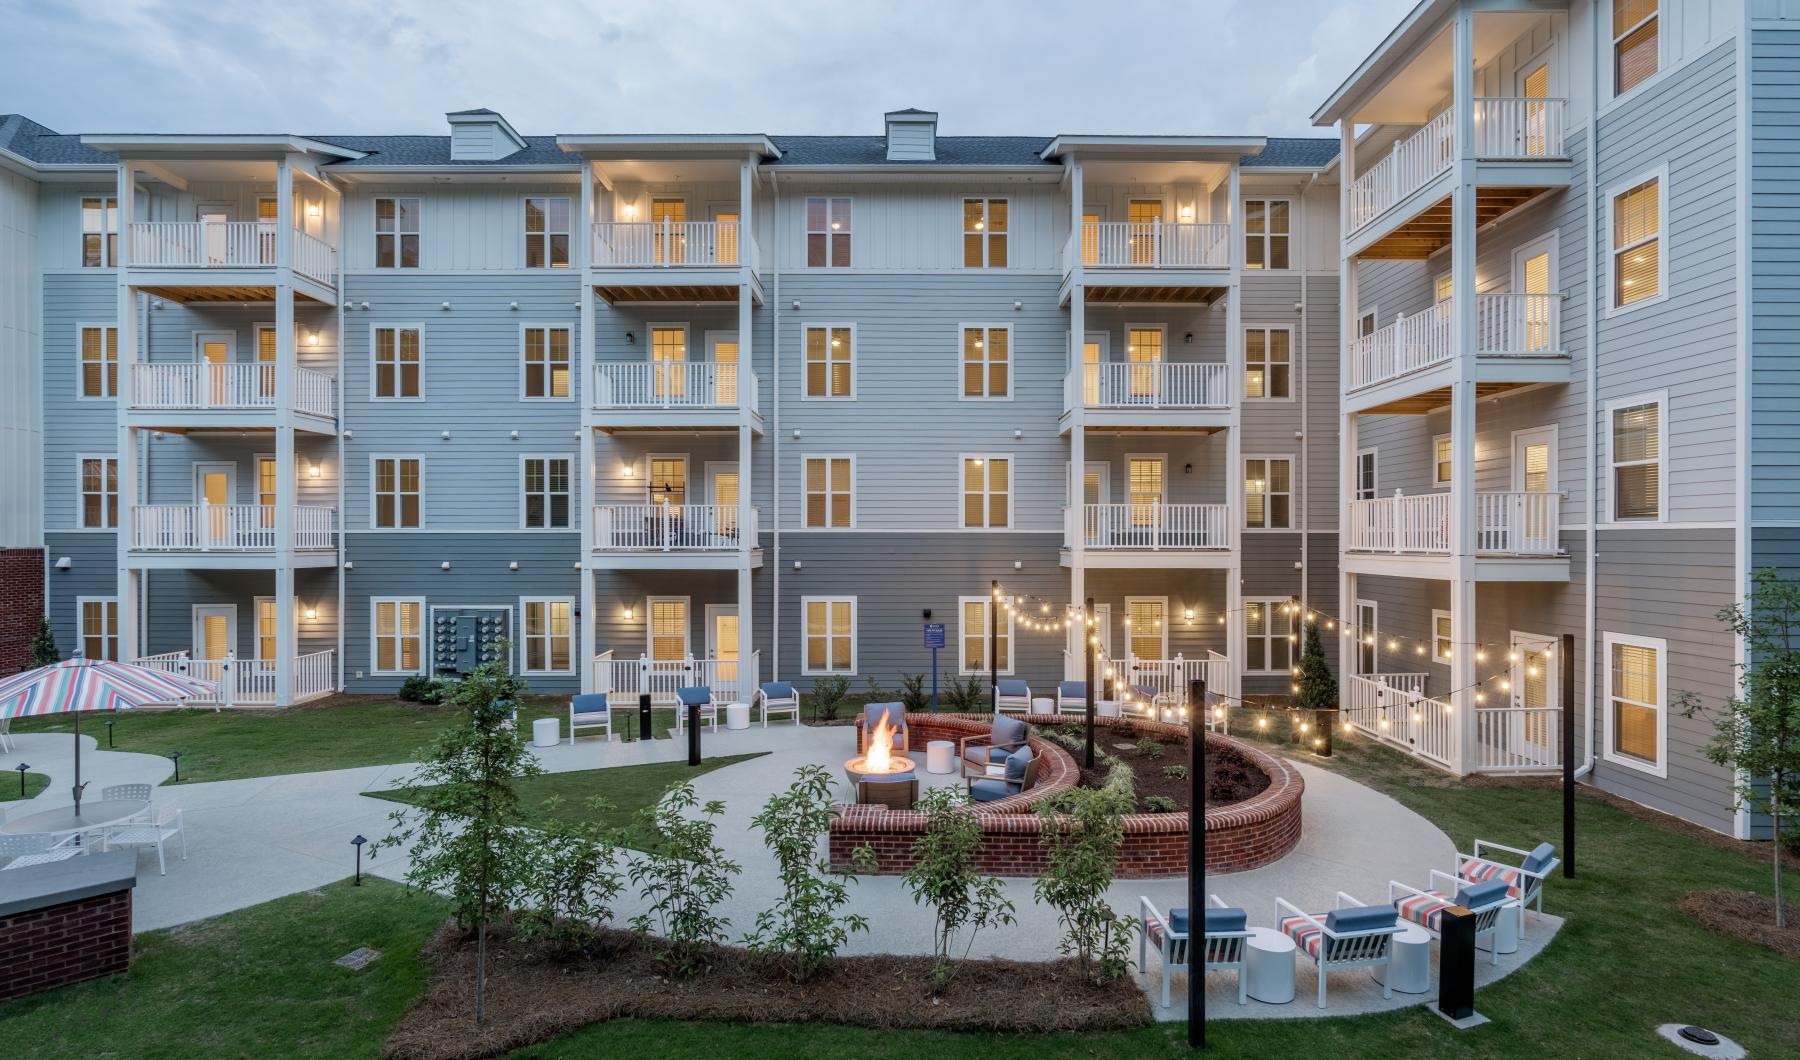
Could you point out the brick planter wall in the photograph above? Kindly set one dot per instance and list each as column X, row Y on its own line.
column 1245, row 835
column 21, row 605
column 61, row 944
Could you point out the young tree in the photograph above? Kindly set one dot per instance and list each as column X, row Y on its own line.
column 686, row 879
column 1756, row 734
column 43, row 646
column 1083, row 831
column 465, row 827
column 573, row 879
column 804, row 929
column 1318, row 688
column 945, row 877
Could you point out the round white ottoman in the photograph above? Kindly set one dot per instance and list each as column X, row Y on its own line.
column 1106, row 708
column 940, row 757
column 1043, row 705
column 737, row 715
column 1269, row 966
column 546, row 732
column 1412, row 961
column 1506, row 933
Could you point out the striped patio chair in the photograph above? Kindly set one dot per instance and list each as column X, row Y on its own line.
column 1425, row 906
column 1524, row 879
column 1353, row 935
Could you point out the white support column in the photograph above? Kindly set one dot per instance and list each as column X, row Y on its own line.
column 1074, row 519
column 747, row 541
column 1348, row 313
column 584, row 378
column 287, row 646
column 1462, row 391
column 1234, row 440
column 131, row 637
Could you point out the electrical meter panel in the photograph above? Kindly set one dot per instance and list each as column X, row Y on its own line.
column 464, row 638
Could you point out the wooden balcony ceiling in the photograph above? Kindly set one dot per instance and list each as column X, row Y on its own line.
column 616, row 293
column 1121, row 294
column 1101, row 424
column 1432, row 400
column 1418, row 238
column 641, row 422
column 187, row 295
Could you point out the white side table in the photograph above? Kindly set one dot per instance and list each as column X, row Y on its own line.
column 1269, row 966
column 1106, row 708
column 1412, row 961
column 546, row 732
column 1043, row 705
column 940, row 757
column 737, row 715
column 1506, row 933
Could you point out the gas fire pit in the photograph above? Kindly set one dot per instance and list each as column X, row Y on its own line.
column 878, row 762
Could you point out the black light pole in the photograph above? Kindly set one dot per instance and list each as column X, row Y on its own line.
column 1568, row 754
column 993, row 646
column 109, row 738
column 21, row 767
column 175, row 757
column 1196, row 858
column 358, row 844
column 1087, row 647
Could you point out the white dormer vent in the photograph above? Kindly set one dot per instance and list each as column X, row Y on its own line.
column 481, row 135
column 911, row 135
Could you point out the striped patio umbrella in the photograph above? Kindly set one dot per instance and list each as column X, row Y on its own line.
column 77, row 686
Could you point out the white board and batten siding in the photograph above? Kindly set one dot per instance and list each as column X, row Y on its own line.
column 21, row 412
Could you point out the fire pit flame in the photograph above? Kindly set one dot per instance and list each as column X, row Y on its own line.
column 881, row 747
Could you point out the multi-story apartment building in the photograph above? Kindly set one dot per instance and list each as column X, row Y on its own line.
column 335, row 411
column 1567, row 266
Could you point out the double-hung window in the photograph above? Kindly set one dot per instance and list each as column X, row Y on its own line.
column 399, row 493
column 546, row 232
column 1268, row 493
column 99, row 353
column 1443, row 460
column 830, row 361
column 1636, row 48
column 972, row 636
column 1638, row 265
column 397, row 232
column 986, row 361
column 99, row 618
column 830, row 491
column 1268, row 363
column 399, row 633
column 1636, row 702
column 1268, row 636
column 827, row 232
column 984, row 233
column 1635, row 447
column 1442, row 643
column 399, row 361
column 99, row 507
column 986, row 491
column 546, row 363
column 1367, row 474
column 546, row 498
column 99, row 231
column 829, row 624
column 669, row 632
column 549, row 634
column 1147, row 627
column 1266, row 233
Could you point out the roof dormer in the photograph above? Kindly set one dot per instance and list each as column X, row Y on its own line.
column 481, row 135
column 911, row 135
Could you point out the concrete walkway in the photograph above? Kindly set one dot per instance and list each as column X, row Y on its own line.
column 254, row 840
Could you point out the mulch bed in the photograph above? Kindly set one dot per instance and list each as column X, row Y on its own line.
column 532, row 997
column 1229, row 778
column 1745, row 916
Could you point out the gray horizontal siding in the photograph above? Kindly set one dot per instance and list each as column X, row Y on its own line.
column 1775, row 273
column 72, row 427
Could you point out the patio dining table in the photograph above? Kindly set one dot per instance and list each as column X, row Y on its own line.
column 62, row 819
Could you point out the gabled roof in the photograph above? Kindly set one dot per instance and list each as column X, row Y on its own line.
column 872, row 151
column 46, row 147
column 1294, row 152
column 382, row 152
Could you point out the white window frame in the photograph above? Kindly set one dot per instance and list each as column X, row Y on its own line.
column 1356, row 489
column 986, row 233
column 687, row 477
column 81, row 494
column 106, row 638
column 687, row 624
column 1437, row 656
column 374, row 464
column 805, row 668
column 375, row 363
column 1436, row 482
column 987, row 492
column 1010, row 634
column 806, row 494
column 1293, row 374
column 828, row 328
column 1167, row 620
column 425, row 646
column 525, row 363
column 1372, row 316
column 572, row 493
column 1659, row 768
column 1012, row 361
column 375, row 233
column 1661, row 175
column 109, row 226
column 1438, row 279
column 807, row 232
column 1374, row 632
column 525, row 234
column 1244, row 478
column 1659, row 398
column 1265, row 235
column 1611, row 60
column 108, row 393
column 547, row 637
column 1275, row 605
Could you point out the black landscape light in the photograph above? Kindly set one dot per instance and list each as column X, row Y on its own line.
column 358, row 844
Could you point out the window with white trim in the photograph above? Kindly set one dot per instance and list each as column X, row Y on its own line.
column 546, row 359
column 1367, row 632
column 1443, row 460
column 827, row 232
column 397, row 232
column 1269, row 633
column 262, row 611
column 828, row 625
column 986, row 361
column 830, row 351
column 399, row 493
column 1268, row 363
column 1636, row 702
column 549, row 634
column 1367, row 474
column 1636, row 47
column 547, row 231
column 830, row 486
column 1441, row 642
column 1638, row 265
column 1634, row 454
column 99, row 491
column 1266, row 233
column 398, row 629
column 972, row 636
column 1442, row 287
column 984, row 233
column 399, row 364
column 986, row 491
column 99, row 231
column 667, row 628
column 98, row 618
column 1147, row 627
column 1268, row 492
column 547, row 492
column 99, row 354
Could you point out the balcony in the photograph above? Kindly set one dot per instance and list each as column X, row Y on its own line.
column 1150, row 261
column 230, row 535
column 1518, row 341
column 683, row 261
column 665, row 394
column 1510, row 525
column 1149, row 535
column 1153, row 395
column 249, row 682
column 226, row 246
column 207, row 389
column 689, row 536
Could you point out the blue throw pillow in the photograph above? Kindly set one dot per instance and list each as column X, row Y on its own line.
column 989, row 790
column 1178, row 919
column 778, row 690
column 1015, row 765
column 1007, row 731
column 1361, row 918
column 1228, row 919
column 1539, row 858
column 1482, row 895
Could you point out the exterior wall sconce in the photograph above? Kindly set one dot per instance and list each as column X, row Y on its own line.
column 627, row 470
column 312, row 338
column 443, row 305
column 515, row 436
column 1187, row 213
column 628, row 613
column 444, row 565
column 630, row 210
column 312, row 471
column 314, row 210
column 630, row 337
column 514, row 565
column 312, row 613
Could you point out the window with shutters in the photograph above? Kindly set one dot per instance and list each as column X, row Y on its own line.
column 99, row 232
column 986, row 491
column 1636, row 41
column 1635, row 436
column 99, row 492
column 827, row 233
column 545, row 353
column 547, row 498
column 98, row 619
column 830, row 491
column 1268, row 493
column 397, row 629
column 972, row 636
column 549, row 634
column 986, row 361
column 547, row 231
column 667, row 628
column 1266, row 233
column 829, row 629
column 830, row 351
column 398, row 371
column 1269, row 363
column 98, row 349
column 984, row 233
column 399, row 499
column 1268, row 636
column 1443, row 461
column 1636, row 699
column 397, row 230
column 1147, row 626
column 1638, row 220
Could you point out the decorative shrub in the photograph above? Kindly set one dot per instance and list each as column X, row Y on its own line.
column 1159, row 804
column 1083, row 829
column 1149, row 748
column 913, row 695
column 804, row 930
column 43, row 646
column 1175, row 772
column 945, row 878
column 828, row 696
column 966, row 695
column 685, row 880
column 420, row 689
column 573, row 881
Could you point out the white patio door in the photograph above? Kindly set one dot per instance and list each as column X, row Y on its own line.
column 724, row 355
column 214, row 219
column 1534, row 471
column 215, row 633
column 218, row 349
column 1534, row 273
column 722, row 640
column 722, row 486
column 215, row 484
column 1536, row 695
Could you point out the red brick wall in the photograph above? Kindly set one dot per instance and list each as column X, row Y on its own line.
column 62, row 944
column 21, row 605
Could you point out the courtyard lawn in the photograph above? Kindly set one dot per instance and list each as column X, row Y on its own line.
column 9, row 785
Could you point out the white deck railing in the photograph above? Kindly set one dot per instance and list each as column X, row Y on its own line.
column 1154, row 526
column 226, row 527
column 668, row 244
column 1405, row 718
column 630, row 678
column 237, row 385
column 249, row 682
column 226, row 245
column 669, row 527
column 1170, row 679
column 1518, row 523
column 1518, row 324
column 1507, row 128
column 314, row 258
column 1507, row 522
column 1517, row 739
column 1154, row 245
column 1156, row 385
column 1505, row 325
column 670, row 385
column 1519, row 128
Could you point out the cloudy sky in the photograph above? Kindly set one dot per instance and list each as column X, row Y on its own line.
column 793, row 66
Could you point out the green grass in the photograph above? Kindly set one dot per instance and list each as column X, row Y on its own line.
column 9, row 785
column 627, row 789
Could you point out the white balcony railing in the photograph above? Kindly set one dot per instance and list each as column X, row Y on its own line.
column 1519, row 128
column 1509, row 523
column 1506, row 325
column 1514, row 128
column 249, row 682
column 314, row 258
column 1513, row 325
column 226, row 527
column 1154, row 245
column 669, row 527
column 1408, row 719
column 1155, row 385
column 670, row 385
column 668, row 244
column 226, row 245
column 1153, row 526
column 238, row 385
column 630, row 678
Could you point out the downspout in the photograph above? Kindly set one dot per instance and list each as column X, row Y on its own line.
column 1591, row 329
column 775, row 430
column 342, row 520
column 1305, row 383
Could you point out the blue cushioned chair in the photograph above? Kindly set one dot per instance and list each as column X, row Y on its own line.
column 589, row 712
column 1011, row 693
column 896, row 716
column 697, row 695
column 1226, row 933
column 778, row 697
column 1005, row 735
column 1353, row 935
column 1525, row 879
column 1020, row 775
column 1489, row 901
column 1071, row 697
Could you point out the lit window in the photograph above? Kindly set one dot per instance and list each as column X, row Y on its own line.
column 1635, row 694
column 1143, row 230
column 1147, row 627
column 546, row 489
column 1268, row 363
column 829, row 491
column 670, row 232
column 1268, row 493
column 1440, row 636
column 1266, row 234
column 549, row 635
column 397, row 233
column 984, row 233
column 99, row 492
column 99, row 616
column 398, row 363
column 1636, row 456
column 399, row 636
column 265, row 628
column 1443, row 460
column 831, row 361
column 668, row 628
column 399, row 497
column 987, row 491
column 830, row 631
column 986, row 362
column 1636, row 51
column 827, row 233
column 972, row 638
column 1442, row 286
column 546, row 365
column 99, row 362
column 1268, row 636
column 546, row 232
column 1637, row 243
column 99, row 231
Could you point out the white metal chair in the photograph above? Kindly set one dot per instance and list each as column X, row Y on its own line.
column 151, row 833
column 778, row 697
column 1425, row 906
column 35, row 848
column 1224, row 931
column 591, row 711
column 6, row 744
column 1011, row 693
column 130, row 793
column 697, row 695
column 1525, row 880
column 1071, row 697
column 1353, row 935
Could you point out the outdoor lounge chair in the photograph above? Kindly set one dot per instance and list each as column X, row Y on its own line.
column 1353, row 935
column 778, row 697
column 152, row 833
column 1425, row 906
column 895, row 794
column 1142, row 698
column 1018, row 774
column 691, row 696
column 1012, row 693
column 590, row 712
column 35, row 848
column 1225, row 930
column 896, row 718
column 1525, row 880
column 1004, row 736
column 1071, row 697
